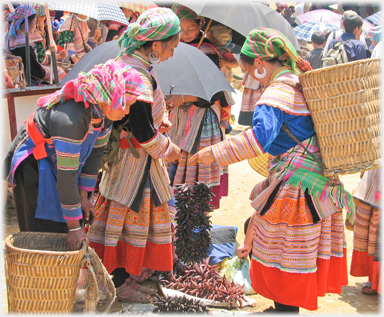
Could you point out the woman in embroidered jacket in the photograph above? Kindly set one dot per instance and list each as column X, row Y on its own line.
column 15, row 42
column 132, row 232
column 196, row 123
column 296, row 233
column 53, row 161
column 74, row 35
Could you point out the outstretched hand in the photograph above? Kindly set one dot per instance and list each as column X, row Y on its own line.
column 204, row 156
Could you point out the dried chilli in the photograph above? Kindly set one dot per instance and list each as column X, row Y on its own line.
column 193, row 238
column 204, row 281
column 175, row 304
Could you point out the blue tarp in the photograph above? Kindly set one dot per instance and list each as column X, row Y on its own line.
column 223, row 243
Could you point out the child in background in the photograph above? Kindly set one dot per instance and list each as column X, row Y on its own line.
column 314, row 57
column 220, row 36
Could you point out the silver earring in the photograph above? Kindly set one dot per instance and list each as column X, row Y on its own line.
column 262, row 75
column 153, row 58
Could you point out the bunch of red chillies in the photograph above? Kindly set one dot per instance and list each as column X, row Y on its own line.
column 204, row 281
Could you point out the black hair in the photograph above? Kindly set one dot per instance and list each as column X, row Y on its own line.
column 164, row 42
column 351, row 23
column 318, row 38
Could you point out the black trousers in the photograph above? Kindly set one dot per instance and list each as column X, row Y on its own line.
column 26, row 193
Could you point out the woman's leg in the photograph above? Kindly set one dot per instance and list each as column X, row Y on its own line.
column 286, row 308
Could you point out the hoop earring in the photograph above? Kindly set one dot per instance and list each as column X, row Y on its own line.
column 153, row 58
column 262, row 75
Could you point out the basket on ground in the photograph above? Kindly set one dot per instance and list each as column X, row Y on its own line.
column 41, row 273
column 344, row 101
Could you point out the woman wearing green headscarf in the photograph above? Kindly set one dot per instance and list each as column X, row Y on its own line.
column 197, row 123
column 132, row 232
column 296, row 233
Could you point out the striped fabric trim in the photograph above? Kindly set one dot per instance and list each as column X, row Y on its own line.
column 283, row 96
column 103, row 138
column 157, row 146
column 238, row 148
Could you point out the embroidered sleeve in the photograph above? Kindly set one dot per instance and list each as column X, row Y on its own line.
column 88, row 175
column 68, row 129
column 267, row 123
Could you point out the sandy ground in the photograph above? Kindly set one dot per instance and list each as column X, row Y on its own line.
column 234, row 210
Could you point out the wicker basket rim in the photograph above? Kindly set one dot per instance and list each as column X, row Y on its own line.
column 45, row 252
column 334, row 67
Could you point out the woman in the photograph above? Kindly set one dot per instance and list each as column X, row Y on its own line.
column 132, row 232
column 365, row 234
column 296, row 232
column 15, row 42
column 53, row 161
column 251, row 94
column 206, row 118
column 74, row 35
column 38, row 38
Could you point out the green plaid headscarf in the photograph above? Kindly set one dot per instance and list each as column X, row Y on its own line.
column 183, row 12
column 254, row 46
column 152, row 25
column 39, row 9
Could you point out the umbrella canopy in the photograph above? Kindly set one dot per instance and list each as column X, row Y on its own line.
column 137, row 6
column 374, row 31
column 242, row 17
column 374, row 19
column 304, row 31
column 201, row 77
column 99, row 10
column 321, row 15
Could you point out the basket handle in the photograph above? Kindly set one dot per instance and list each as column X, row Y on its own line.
column 302, row 64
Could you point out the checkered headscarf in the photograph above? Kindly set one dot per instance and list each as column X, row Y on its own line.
column 17, row 17
column 254, row 46
column 107, row 83
column 39, row 9
column 152, row 25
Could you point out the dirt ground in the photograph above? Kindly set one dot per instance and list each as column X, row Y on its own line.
column 234, row 210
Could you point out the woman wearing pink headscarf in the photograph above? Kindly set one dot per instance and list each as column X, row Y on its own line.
column 53, row 161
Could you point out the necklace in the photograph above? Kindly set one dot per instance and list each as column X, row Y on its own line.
column 91, row 128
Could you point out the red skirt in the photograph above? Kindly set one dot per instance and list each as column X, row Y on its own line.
column 136, row 241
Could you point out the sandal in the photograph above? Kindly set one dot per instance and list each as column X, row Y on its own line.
column 368, row 290
column 129, row 294
column 148, row 290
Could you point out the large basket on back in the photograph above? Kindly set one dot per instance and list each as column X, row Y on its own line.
column 41, row 273
column 344, row 101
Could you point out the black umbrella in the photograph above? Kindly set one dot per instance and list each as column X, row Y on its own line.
column 188, row 72
column 242, row 18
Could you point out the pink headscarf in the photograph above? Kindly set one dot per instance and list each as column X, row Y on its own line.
column 108, row 83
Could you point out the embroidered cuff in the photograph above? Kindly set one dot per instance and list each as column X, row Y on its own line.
column 157, row 146
column 236, row 149
column 87, row 182
column 73, row 212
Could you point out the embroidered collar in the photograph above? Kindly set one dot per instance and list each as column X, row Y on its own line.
column 282, row 70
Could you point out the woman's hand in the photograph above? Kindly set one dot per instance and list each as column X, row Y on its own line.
column 204, row 156
column 174, row 154
column 88, row 209
column 63, row 54
column 165, row 126
column 75, row 239
column 243, row 250
column 174, row 101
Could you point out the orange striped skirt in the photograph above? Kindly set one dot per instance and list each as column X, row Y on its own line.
column 136, row 241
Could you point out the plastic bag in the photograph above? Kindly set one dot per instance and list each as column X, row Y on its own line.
column 237, row 270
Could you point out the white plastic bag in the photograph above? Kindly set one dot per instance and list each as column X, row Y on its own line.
column 237, row 270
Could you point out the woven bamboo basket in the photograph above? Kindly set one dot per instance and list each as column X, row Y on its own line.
column 344, row 101
column 41, row 273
